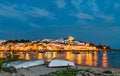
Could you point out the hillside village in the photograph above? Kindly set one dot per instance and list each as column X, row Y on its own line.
column 49, row 45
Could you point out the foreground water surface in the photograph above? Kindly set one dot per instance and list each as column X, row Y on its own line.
column 104, row 59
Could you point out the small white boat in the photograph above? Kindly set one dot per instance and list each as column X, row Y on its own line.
column 60, row 63
column 23, row 64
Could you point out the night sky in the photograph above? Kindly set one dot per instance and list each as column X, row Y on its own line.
column 96, row 21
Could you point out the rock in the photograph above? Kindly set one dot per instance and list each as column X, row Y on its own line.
column 79, row 75
column 108, row 72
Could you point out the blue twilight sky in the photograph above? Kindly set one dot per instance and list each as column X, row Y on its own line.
column 96, row 21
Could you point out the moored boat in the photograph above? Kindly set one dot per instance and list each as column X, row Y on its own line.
column 23, row 64
column 60, row 63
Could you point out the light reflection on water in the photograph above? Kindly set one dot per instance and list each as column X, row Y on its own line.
column 1, row 55
column 95, row 57
column 106, row 59
column 84, row 58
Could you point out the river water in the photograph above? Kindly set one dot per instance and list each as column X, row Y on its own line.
column 102, row 59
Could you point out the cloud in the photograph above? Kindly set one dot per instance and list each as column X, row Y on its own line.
column 117, row 5
column 60, row 3
column 107, row 18
column 100, row 14
column 77, row 3
column 33, row 25
column 38, row 12
column 1, row 31
column 94, row 6
column 84, row 16
column 10, row 11
column 86, row 5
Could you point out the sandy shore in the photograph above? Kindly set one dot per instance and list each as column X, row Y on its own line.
column 42, row 70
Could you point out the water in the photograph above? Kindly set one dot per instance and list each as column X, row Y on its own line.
column 106, row 59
